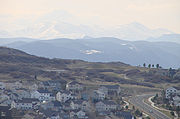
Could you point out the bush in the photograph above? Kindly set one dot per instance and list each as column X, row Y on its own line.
column 172, row 113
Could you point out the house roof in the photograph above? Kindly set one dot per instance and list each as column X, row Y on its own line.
column 74, row 83
column 77, row 101
column 43, row 91
column 57, row 103
column 108, row 102
column 171, row 88
column 66, row 92
column 125, row 115
column 27, row 100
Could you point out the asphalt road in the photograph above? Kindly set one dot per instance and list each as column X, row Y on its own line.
column 138, row 101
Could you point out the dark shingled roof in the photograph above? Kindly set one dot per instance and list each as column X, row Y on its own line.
column 57, row 103
column 125, row 115
column 77, row 101
column 74, row 83
column 27, row 100
column 43, row 91
column 108, row 102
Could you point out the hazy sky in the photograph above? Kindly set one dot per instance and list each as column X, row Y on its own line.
column 152, row 13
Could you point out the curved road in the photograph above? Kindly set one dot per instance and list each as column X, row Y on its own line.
column 138, row 101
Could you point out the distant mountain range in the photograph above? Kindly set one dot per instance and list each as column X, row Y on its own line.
column 166, row 38
column 103, row 49
column 59, row 29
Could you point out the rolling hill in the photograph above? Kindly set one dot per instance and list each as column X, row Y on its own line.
column 105, row 49
column 18, row 65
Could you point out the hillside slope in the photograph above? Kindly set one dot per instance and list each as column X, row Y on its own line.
column 18, row 65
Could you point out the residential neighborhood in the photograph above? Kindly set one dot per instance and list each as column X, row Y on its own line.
column 74, row 101
column 173, row 95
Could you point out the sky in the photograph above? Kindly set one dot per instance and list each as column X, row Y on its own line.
column 106, row 13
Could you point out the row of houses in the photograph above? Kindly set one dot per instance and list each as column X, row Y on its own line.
column 173, row 95
column 50, row 96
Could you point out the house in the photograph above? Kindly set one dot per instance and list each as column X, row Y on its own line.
column 74, row 96
column 18, row 85
column 5, row 112
column 47, row 105
column 14, row 85
column 51, row 114
column 124, row 115
column 13, row 96
column 110, row 89
column 85, row 96
column 53, row 84
column 2, row 85
column 106, row 105
column 25, row 103
column 98, row 95
column 64, row 115
column 79, row 104
column 63, row 96
column 66, row 106
column 55, row 116
column 57, row 105
column 74, row 86
column 41, row 94
column 23, row 93
column 176, row 100
column 170, row 91
column 53, row 105
column 103, row 89
column 72, row 114
column 33, row 87
column 104, row 113
column 4, row 100
column 81, row 115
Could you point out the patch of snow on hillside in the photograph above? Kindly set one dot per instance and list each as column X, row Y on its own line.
column 90, row 52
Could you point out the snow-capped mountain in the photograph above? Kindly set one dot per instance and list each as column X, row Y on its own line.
column 135, row 31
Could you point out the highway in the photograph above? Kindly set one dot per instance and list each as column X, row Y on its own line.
column 138, row 101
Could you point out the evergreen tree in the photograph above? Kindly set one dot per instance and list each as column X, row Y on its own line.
column 149, row 66
column 157, row 66
column 153, row 65
column 144, row 65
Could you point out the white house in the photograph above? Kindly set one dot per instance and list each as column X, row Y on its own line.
column 103, row 89
column 170, row 91
column 81, row 115
column 25, row 104
column 23, row 94
column 80, row 104
column 98, row 95
column 33, row 87
column 42, row 95
column 74, row 86
column 106, row 105
column 176, row 100
column 63, row 96
column 2, row 85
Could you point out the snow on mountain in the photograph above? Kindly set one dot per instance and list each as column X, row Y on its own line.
column 90, row 52
column 135, row 31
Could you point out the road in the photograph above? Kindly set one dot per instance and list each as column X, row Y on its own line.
column 138, row 101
